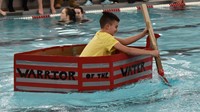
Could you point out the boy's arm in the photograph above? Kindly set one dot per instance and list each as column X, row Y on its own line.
column 135, row 51
column 129, row 40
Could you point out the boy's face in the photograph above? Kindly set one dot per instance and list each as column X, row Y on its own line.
column 113, row 27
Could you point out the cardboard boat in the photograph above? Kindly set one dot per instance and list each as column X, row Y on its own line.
column 60, row 69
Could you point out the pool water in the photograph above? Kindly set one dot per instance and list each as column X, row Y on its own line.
column 179, row 46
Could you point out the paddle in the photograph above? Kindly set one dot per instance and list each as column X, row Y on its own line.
column 154, row 43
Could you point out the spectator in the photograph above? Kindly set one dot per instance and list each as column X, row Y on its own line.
column 179, row 1
column 10, row 6
column 106, row 2
column 1, row 11
column 24, row 5
column 103, row 2
column 131, row 1
column 41, row 10
column 88, row 2
column 115, row 1
column 73, row 3
column 109, row 2
column 177, row 5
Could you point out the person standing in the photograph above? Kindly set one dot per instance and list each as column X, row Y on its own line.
column 3, row 13
column 41, row 10
column 24, row 5
column 179, row 1
column 10, row 6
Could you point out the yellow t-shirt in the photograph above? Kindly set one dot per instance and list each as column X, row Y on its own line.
column 101, row 45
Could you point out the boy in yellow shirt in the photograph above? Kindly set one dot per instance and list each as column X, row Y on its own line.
column 105, row 43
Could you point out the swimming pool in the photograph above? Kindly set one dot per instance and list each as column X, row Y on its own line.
column 179, row 46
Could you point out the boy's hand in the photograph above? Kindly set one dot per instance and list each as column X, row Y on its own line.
column 145, row 31
column 155, row 53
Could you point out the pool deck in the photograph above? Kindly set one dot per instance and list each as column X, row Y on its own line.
column 33, row 12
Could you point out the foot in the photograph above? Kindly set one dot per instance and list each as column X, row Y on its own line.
column 53, row 11
column 26, row 8
column 88, row 3
column 41, row 11
column 11, row 9
column 2, row 13
column 106, row 2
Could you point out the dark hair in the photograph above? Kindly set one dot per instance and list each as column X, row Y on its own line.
column 71, row 13
column 78, row 7
column 108, row 17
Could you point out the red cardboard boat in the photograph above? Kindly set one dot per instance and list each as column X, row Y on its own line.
column 60, row 69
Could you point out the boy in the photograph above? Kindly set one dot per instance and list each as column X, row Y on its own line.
column 104, row 43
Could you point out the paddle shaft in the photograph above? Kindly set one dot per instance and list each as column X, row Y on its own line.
column 152, row 36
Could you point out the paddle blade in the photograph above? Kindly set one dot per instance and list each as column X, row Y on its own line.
column 162, row 76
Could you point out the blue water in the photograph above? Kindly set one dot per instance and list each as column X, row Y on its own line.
column 179, row 47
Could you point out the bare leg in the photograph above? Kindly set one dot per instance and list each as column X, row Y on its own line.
column 58, row 4
column 1, row 11
column 40, row 7
column 53, row 10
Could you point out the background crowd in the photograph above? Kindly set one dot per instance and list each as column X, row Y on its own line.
column 56, row 4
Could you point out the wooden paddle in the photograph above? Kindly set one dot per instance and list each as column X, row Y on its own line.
column 153, row 43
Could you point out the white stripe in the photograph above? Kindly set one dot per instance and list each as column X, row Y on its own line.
column 130, row 60
column 161, row 6
column 26, row 88
column 97, row 65
column 54, row 15
column 47, row 81
column 49, row 64
column 127, row 9
column 94, row 11
column 99, row 83
column 192, row 3
column 131, row 77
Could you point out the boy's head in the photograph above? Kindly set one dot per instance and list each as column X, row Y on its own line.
column 108, row 18
column 109, row 22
